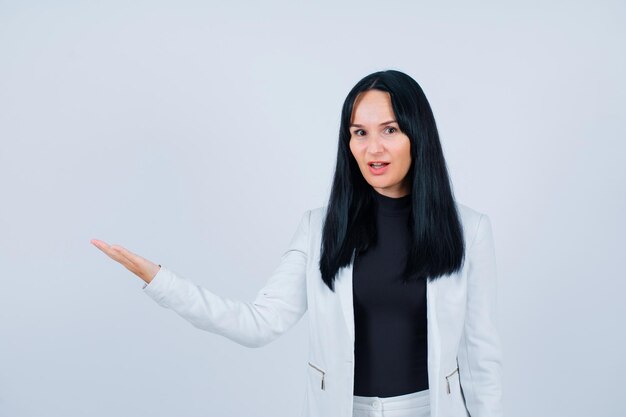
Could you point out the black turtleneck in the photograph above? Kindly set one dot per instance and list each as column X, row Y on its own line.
column 390, row 317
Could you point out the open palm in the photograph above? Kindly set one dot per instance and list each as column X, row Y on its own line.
column 136, row 264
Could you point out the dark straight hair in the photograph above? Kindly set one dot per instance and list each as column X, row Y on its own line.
column 436, row 246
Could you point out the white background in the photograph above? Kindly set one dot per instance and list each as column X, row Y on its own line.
column 196, row 135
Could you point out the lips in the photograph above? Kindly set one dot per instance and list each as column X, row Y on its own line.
column 378, row 169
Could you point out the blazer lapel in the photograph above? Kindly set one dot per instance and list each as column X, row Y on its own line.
column 434, row 345
column 343, row 287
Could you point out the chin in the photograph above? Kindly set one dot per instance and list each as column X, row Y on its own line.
column 380, row 184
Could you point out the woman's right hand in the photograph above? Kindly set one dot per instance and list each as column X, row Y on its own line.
column 139, row 266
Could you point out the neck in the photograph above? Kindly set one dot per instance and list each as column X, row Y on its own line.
column 392, row 205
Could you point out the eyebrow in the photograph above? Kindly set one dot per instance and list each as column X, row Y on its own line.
column 382, row 124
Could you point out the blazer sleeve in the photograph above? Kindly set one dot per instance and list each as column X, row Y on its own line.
column 276, row 308
column 480, row 354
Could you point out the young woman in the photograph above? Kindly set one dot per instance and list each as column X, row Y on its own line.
column 398, row 278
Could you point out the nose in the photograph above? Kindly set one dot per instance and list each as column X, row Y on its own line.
column 375, row 145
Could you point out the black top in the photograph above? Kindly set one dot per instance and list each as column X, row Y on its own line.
column 390, row 317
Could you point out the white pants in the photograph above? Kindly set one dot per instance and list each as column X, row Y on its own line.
column 415, row 404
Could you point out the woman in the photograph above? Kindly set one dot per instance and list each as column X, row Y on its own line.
column 399, row 280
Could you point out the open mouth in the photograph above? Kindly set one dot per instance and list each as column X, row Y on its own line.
column 378, row 168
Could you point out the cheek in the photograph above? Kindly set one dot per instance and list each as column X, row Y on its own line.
column 404, row 155
column 354, row 150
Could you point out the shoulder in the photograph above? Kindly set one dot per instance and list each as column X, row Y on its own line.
column 316, row 216
column 318, row 213
column 471, row 219
column 469, row 216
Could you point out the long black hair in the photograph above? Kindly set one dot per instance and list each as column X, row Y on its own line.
column 436, row 246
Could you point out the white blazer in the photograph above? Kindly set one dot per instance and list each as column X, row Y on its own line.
column 464, row 351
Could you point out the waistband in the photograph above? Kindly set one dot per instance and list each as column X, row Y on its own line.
column 399, row 402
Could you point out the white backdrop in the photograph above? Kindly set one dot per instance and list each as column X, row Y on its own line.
column 174, row 128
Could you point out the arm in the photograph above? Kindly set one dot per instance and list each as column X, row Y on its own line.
column 480, row 355
column 277, row 306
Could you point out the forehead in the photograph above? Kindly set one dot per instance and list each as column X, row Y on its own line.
column 372, row 106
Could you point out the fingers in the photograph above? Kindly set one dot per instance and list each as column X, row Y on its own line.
column 112, row 252
column 118, row 253
column 127, row 255
column 136, row 264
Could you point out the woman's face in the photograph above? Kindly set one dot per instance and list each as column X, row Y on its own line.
column 375, row 136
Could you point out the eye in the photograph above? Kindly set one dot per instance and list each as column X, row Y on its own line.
column 356, row 132
column 394, row 129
